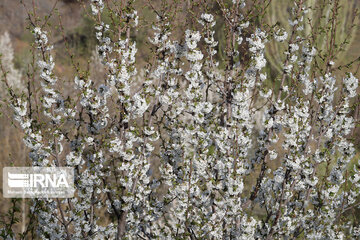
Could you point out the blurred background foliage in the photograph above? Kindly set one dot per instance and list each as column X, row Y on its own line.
column 319, row 14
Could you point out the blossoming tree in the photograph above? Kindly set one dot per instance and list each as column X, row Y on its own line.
column 195, row 148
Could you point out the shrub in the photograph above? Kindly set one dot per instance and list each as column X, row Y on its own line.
column 174, row 153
